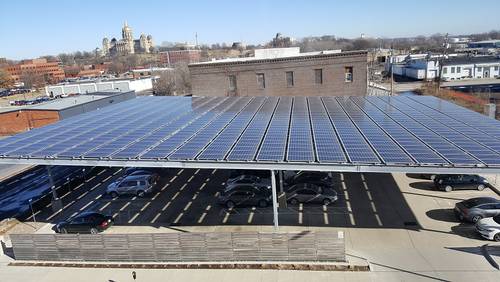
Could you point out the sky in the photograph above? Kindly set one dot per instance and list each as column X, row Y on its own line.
column 33, row 28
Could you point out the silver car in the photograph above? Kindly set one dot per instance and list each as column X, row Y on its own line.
column 132, row 185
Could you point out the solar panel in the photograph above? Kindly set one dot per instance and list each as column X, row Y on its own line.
column 274, row 143
column 421, row 152
column 326, row 142
column 466, row 137
column 218, row 149
column 343, row 131
column 246, row 147
column 387, row 149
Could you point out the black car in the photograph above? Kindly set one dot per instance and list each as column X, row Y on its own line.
column 87, row 222
column 310, row 193
column 452, row 182
column 318, row 178
column 245, row 195
column 259, row 173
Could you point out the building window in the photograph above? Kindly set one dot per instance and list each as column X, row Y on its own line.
column 348, row 74
column 289, row 78
column 318, row 76
column 261, row 80
column 479, row 69
column 232, row 83
column 496, row 68
column 452, row 69
column 445, row 70
column 459, row 69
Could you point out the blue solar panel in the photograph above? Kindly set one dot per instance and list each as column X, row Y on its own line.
column 300, row 146
column 274, row 143
column 356, row 147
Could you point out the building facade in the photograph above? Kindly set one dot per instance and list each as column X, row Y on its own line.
column 171, row 58
column 127, row 45
column 50, row 71
column 460, row 68
column 323, row 73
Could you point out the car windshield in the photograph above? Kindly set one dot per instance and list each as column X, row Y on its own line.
column 497, row 219
column 475, row 202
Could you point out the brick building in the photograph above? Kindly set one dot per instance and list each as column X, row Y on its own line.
column 16, row 119
column 170, row 58
column 283, row 72
column 49, row 71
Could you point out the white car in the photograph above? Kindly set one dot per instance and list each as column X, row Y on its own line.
column 489, row 228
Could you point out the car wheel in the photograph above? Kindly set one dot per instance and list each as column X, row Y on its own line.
column 63, row 231
column 140, row 193
column 480, row 187
column 113, row 194
column 294, row 201
column 326, row 202
column 448, row 188
column 262, row 203
column 93, row 231
column 230, row 204
column 476, row 218
column 497, row 237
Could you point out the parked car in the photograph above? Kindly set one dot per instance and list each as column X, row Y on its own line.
column 318, row 178
column 87, row 222
column 452, row 182
column 310, row 193
column 428, row 176
column 134, row 185
column 259, row 173
column 489, row 228
column 249, row 179
column 245, row 195
column 476, row 209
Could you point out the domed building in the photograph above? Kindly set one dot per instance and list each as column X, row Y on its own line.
column 127, row 45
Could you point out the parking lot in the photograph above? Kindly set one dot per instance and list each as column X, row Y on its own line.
column 188, row 198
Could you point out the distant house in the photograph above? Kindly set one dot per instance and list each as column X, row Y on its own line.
column 470, row 68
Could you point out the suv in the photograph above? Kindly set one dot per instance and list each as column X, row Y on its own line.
column 86, row 222
column 244, row 195
column 477, row 208
column 136, row 185
column 310, row 193
column 452, row 182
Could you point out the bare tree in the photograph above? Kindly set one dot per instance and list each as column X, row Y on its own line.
column 32, row 80
column 174, row 82
column 5, row 79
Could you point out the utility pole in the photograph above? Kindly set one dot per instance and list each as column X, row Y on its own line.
column 440, row 60
column 392, row 70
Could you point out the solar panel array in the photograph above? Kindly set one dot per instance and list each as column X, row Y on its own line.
column 396, row 131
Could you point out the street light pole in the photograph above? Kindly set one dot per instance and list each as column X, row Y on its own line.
column 31, row 208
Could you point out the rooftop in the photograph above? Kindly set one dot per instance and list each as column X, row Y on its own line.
column 360, row 134
column 465, row 60
column 62, row 103
column 269, row 56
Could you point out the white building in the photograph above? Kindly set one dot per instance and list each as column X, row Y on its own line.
column 115, row 85
column 471, row 68
column 416, row 66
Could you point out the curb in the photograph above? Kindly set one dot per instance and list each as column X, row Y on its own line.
column 240, row 265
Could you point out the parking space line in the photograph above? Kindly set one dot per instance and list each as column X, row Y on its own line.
column 164, row 187
column 180, row 171
column 124, row 206
column 226, row 217
column 216, row 194
column 106, row 179
column 105, row 206
column 202, row 186
column 172, row 179
column 88, row 204
column 300, row 213
column 183, row 187
column 178, row 217
column 197, row 171
column 202, row 217
column 213, row 171
column 116, row 172
column 90, row 179
column 155, row 196
column 190, row 178
column 250, row 216
column 325, row 218
column 195, row 196
column 133, row 218
column 166, row 206
column 156, row 217
column 175, row 195
column 188, row 205
column 145, row 206
column 101, row 172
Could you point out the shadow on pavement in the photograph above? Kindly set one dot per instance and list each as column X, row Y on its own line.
column 446, row 215
column 423, row 185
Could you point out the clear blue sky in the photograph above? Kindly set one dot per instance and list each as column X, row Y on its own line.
column 31, row 28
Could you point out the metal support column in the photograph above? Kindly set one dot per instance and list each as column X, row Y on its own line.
column 282, row 196
column 56, row 202
column 275, row 201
